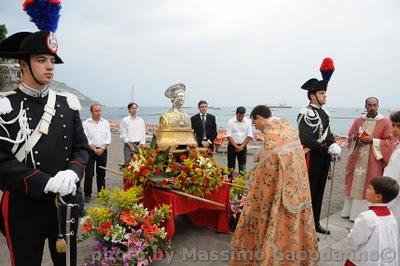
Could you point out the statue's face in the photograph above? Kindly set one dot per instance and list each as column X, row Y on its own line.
column 179, row 99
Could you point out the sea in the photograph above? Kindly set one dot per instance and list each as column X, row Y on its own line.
column 341, row 118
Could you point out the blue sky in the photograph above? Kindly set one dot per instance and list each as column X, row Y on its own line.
column 228, row 52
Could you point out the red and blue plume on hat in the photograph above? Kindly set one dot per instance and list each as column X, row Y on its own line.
column 44, row 13
column 327, row 68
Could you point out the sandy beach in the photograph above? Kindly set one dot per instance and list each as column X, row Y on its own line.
column 187, row 236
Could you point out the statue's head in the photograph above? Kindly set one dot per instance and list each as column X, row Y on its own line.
column 177, row 95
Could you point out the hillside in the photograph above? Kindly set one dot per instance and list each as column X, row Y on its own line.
column 61, row 86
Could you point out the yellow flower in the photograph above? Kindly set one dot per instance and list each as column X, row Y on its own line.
column 99, row 214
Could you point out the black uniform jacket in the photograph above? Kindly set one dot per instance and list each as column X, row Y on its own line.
column 65, row 146
column 211, row 128
column 308, row 136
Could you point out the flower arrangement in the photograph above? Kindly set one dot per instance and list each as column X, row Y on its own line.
column 237, row 196
column 194, row 171
column 126, row 233
column 145, row 163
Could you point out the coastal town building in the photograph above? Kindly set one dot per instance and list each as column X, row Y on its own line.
column 10, row 74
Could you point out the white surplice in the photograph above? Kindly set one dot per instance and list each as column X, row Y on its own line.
column 373, row 239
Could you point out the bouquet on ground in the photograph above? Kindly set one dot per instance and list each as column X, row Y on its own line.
column 237, row 197
column 126, row 233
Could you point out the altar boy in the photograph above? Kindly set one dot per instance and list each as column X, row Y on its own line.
column 373, row 240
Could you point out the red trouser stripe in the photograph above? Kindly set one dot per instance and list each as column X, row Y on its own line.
column 5, row 211
column 308, row 159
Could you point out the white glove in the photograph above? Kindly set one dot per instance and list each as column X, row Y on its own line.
column 334, row 150
column 63, row 182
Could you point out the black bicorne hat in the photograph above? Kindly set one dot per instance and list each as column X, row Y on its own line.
column 23, row 44
column 315, row 85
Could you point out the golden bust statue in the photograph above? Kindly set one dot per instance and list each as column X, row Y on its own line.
column 175, row 129
column 175, row 117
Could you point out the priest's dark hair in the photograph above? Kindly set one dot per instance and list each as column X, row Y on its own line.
column 386, row 186
column 369, row 98
column 261, row 110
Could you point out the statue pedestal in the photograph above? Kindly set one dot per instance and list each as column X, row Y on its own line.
column 166, row 138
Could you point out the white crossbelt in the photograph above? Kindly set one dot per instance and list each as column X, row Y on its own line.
column 41, row 128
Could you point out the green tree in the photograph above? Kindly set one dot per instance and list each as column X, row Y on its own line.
column 3, row 32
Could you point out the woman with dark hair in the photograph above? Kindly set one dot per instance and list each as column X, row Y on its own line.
column 277, row 224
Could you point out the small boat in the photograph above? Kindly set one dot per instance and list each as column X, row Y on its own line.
column 279, row 105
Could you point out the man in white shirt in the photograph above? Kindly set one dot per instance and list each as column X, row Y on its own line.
column 132, row 131
column 98, row 133
column 239, row 132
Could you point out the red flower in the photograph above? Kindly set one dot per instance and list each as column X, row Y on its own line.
column 157, row 171
column 127, row 218
column 175, row 167
column 149, row 228
column 87, row 227
column 142, row 169
column 185, row 169
column 182, row 157
column 165, row 181
column 158, row 150
column 158, row 255
column 185, row 183
column 104, row 227
column 149, row 183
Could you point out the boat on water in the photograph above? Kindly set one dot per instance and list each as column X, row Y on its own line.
column 279, row 105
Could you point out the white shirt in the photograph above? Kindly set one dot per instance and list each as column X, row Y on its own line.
column 99, row 133
column 371, row 235
column 133, row 130
column 201, row 116
column 238, row 131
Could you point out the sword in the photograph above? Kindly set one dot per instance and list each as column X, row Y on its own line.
column 68, row 232
column 331, row 176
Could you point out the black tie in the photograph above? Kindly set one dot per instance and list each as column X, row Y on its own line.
column 203, row 122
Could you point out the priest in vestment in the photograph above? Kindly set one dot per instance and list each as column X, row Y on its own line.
column 370, row 147
column 276, row 226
